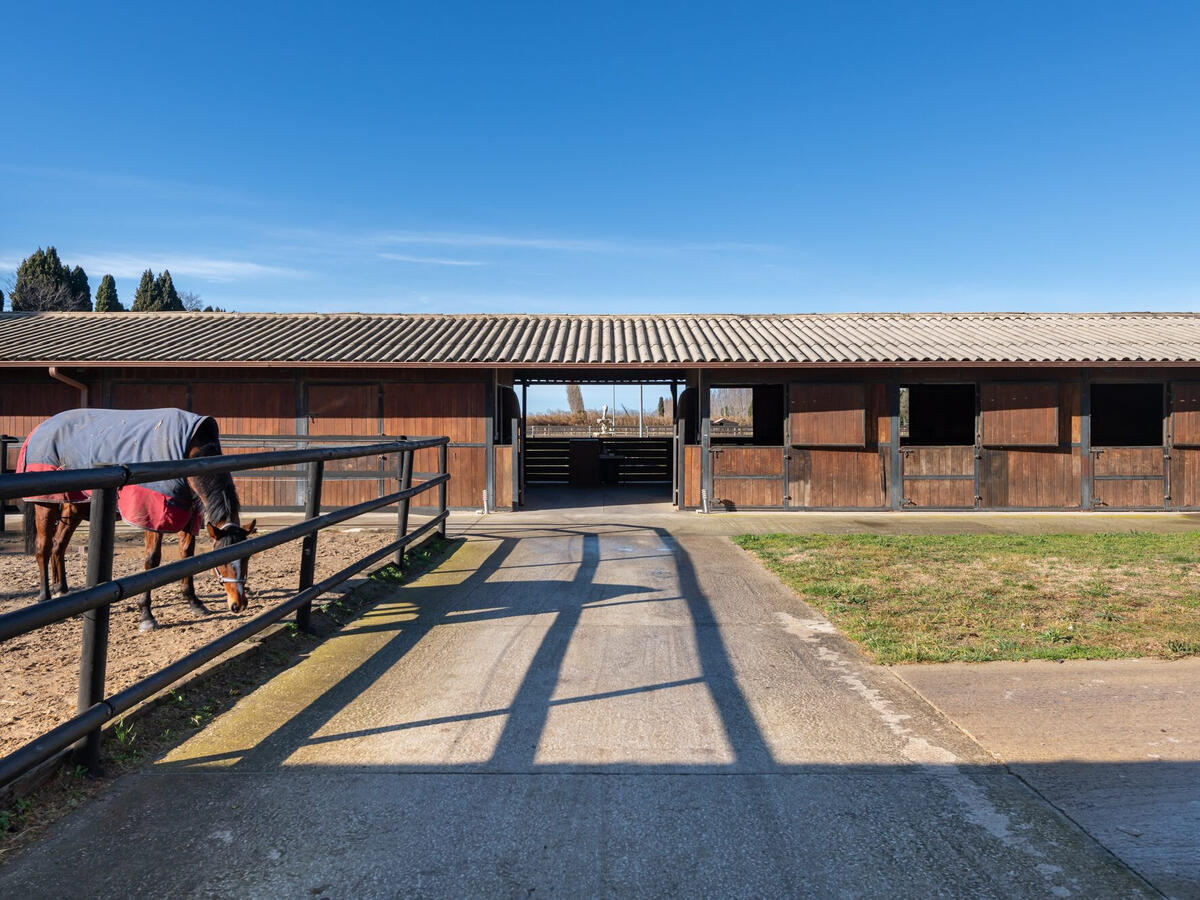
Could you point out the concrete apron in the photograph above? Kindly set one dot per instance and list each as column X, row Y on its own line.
column 577, row 710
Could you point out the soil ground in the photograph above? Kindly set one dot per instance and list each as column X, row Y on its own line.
column 39, row 672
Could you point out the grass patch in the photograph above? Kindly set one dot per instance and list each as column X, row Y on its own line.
column 972, row 598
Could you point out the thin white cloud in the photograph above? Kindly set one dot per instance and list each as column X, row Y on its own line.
column 137, row 184
column 209, row 268
column 469, row 239
column 432, row 260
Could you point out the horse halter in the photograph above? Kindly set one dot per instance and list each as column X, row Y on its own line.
column 240, row 580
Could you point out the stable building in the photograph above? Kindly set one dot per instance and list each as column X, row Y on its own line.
column 887, row 411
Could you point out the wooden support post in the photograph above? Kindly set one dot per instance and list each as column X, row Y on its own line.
column 308, row 548
column 93, row 663
column 442, row 488
column 703, row 398
column 515, row 479
column 895, row 475
column 1086, row 497
column 4, row 439
column 405, row 476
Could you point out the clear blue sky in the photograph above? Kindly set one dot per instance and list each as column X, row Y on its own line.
column 612, row 157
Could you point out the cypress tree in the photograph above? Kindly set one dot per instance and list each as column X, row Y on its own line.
column 106, row 296
column 81, row 291
column 145, row 299
column 44, row 283
column 168, row 297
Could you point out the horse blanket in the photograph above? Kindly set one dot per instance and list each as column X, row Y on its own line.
column 84, row 438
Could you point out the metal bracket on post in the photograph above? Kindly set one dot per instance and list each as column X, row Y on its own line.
column 308, row 549
column 93, row 662
column 405, row 476
column 442, row 488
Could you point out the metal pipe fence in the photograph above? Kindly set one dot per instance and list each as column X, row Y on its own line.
column 94, row 601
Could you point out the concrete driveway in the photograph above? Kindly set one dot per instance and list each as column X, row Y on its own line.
column 578, row 710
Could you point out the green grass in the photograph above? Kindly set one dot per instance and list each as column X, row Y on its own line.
column 940, row 598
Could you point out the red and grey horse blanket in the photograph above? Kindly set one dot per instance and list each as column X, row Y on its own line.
column 84, row 438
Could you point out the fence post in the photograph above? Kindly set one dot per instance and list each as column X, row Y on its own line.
column 308, row 549
column 93, row 661
column 404, row 474
column 442, row 488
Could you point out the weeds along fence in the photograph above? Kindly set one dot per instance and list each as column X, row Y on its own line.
column 95, row 600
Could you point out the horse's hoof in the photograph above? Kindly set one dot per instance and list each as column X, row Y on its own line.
column 199, row 608
column 147, row 625
column 59, row 592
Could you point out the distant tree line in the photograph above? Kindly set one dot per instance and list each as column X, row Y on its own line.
column 44, row 283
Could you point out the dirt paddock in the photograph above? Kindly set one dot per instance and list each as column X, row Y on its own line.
column 39, row 672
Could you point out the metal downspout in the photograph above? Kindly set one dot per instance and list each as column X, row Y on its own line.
column 68, row 380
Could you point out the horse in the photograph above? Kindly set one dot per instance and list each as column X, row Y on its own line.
column 88, row 437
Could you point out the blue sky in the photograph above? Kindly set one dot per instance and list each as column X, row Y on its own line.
column 613, row 157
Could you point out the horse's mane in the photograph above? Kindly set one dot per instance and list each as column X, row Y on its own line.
column 215, row 489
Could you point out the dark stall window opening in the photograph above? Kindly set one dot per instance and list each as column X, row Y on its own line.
column 1127, row 415
column 937, row 415
column 747, row 415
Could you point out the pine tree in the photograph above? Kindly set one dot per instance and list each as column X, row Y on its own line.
column 1, row 301
column 168, row 297
column 662, row 407
column 145, row 299
column 106, row 296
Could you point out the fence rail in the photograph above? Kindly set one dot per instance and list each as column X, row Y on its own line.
column 102, row 590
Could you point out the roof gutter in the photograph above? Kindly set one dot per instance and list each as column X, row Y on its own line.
column 68, row 380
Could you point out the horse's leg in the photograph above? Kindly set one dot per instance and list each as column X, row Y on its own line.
column 46, row 517
column 70, row 518
column 153, row 558
column 187, row 549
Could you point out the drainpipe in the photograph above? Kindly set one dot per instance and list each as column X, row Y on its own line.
column 68, row 380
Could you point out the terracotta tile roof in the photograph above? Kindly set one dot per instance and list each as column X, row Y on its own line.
column 552, row 340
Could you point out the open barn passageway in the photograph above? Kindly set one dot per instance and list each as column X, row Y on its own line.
column 577, row 709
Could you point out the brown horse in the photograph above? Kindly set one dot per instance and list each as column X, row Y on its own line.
column 214, row 493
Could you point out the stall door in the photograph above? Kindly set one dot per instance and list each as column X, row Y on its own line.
column 1184, row 466
column 938, row 456
column 1129, row 455
column 835, row 460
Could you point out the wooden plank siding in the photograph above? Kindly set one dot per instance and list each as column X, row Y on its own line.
column 830, row 478
column 747, row 476
column 26, row 404
column 945, row 477
column 1020, row 466
column 1019, row 414
column 504, row 472
column 843, row 463
column 143, row 395
column 691, row 476
column 1185, row 413
column 828, row 415
column 1029, row 479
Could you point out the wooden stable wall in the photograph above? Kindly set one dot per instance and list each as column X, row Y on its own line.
column 1030, row 451
column 840, row 450
column 308, row 406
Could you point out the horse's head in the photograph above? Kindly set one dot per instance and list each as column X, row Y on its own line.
column 232, row 575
